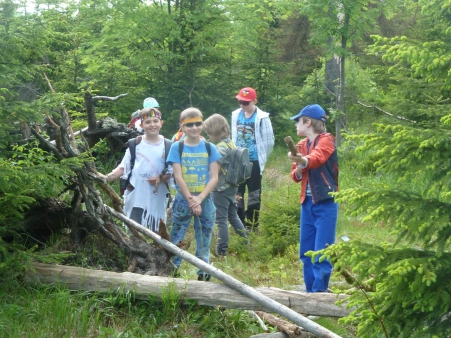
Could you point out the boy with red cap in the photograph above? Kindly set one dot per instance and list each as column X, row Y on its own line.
column 316, row 166
column 252, row 129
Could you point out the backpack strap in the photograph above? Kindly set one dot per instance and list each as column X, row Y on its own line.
column 208, row 146
column 132, row 143
column 182, row 145
column 167, row 147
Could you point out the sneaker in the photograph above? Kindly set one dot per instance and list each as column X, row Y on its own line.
column 204, row 277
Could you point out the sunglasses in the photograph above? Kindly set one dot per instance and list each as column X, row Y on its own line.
column 244, row 103
column 192, row 124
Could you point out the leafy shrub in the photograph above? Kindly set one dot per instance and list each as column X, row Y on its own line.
column 280, row 219
column 415, row 208
column 28, row 176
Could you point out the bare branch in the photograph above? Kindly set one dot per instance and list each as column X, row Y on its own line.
column 46, row 144
column 371, row 106
column 108, row 98
column 387, row 113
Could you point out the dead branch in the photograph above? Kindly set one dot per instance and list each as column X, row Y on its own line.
column 65, row 116
column 108, row 98
column 46, row 144
column 58, row 141
column 370, row 106
column 385, row 112
column 90, row 107
column 282, row 325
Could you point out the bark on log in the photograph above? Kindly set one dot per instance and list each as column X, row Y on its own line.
column 267, row 302
column 207, row 294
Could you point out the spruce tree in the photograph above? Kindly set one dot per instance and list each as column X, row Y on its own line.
column 402, row 288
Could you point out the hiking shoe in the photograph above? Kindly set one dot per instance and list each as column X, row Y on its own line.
column 204, row 277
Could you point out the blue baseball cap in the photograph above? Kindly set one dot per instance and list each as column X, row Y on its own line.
column 150, row 102
column 314, row 111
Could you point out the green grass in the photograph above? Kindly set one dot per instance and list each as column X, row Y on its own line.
column 42, row 311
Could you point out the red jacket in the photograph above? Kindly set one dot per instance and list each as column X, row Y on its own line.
column 322, row 168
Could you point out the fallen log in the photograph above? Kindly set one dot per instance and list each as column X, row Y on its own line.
column 207, row 294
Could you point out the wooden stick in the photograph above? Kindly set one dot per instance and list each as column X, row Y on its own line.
column 282, row 325
column 244, row 289
column 290, row 143
column 259, row 320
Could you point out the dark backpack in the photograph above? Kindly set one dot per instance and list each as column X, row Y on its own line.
column 132, row 143
column 240, row 168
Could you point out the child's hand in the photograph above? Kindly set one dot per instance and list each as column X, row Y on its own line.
column 197, row 211
column 298, row 158
column 153, row 180
column 194, row 201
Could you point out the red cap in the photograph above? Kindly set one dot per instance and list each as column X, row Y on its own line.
column 247, row 94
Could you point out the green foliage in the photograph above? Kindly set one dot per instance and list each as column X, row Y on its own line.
column 415, row 70
column 200, row 53
column 342, row 19
column 416, row 210
column 30, row 174
column 359, row 86
column 171, row 300
column 280, row 218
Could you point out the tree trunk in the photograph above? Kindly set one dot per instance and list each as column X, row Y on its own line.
column 332, row 77
column 89, row 104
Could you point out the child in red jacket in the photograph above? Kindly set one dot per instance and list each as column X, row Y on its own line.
column 316, row 166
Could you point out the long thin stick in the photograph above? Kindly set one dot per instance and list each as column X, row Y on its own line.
column 235, row 284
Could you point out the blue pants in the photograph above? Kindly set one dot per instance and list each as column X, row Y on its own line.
column 203, row 227
column 318, row 225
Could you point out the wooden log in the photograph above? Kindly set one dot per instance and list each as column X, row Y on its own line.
column 244, row 289
column 207, row 294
